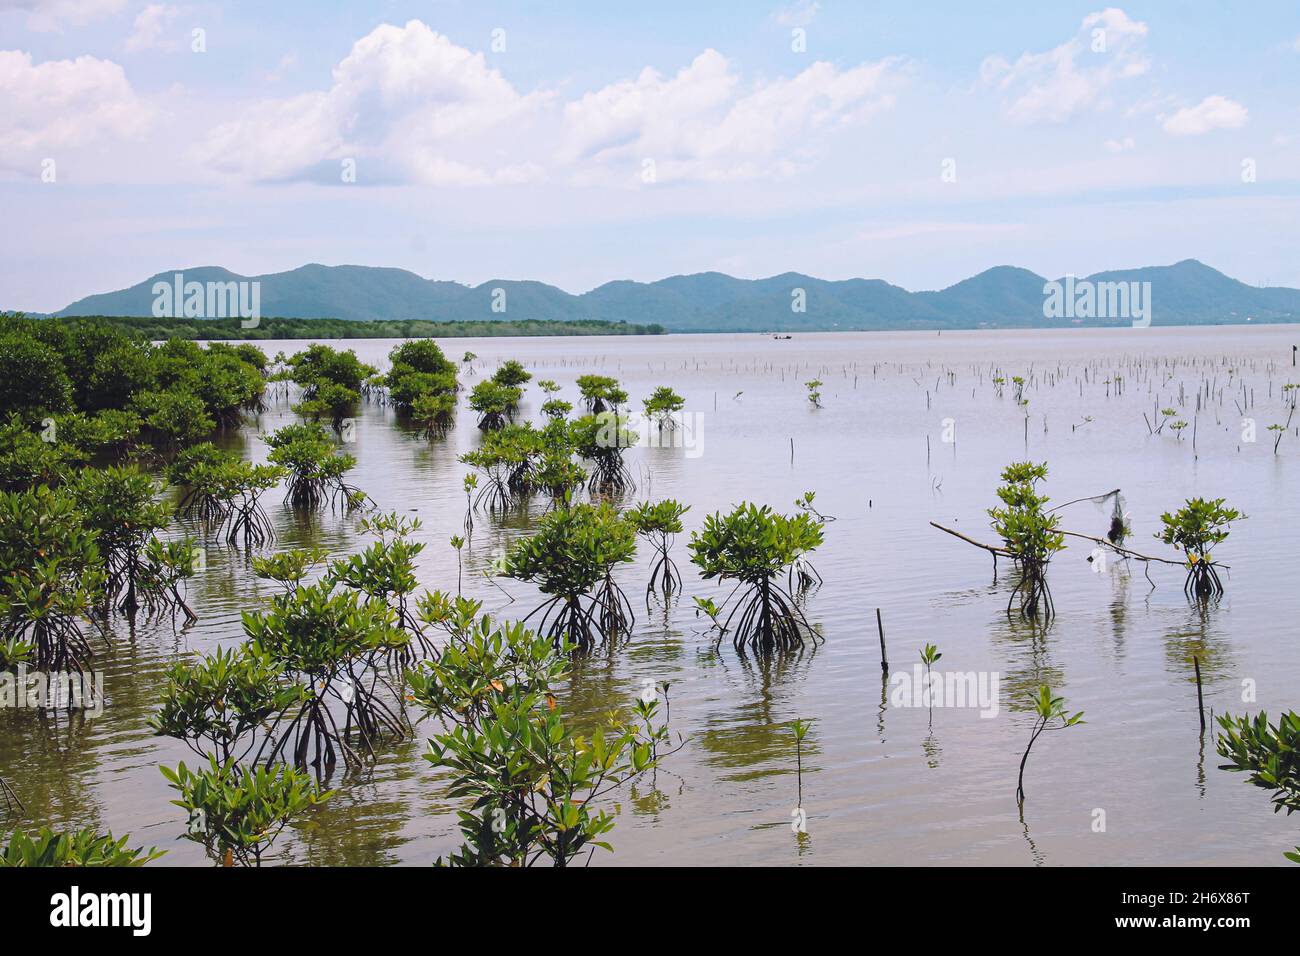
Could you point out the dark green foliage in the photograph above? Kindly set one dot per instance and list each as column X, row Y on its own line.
column 535, row 786
column 754, row 545
column 75, row 848
column 572, row 557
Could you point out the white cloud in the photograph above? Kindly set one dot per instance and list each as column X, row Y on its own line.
column 701, row 124
column 405, row 98
column 50, row 15
column 1120, row 145
column 63, row 104
column 150, row 24
column 1075, row 76
column 414, row 105
column 1213, row 112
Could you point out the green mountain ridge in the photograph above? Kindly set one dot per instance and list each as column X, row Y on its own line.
column 1185, row 293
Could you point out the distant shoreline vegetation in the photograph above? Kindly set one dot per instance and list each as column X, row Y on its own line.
column 159, row 329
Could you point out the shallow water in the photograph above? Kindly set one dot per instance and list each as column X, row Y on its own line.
column 882, row 784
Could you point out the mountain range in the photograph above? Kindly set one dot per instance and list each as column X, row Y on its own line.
column 1185, row 293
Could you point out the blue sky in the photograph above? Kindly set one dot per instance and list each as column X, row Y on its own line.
column 577, row 143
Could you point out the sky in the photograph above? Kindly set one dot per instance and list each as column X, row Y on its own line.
column 581, row 142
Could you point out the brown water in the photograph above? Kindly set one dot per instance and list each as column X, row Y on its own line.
column 882, row 784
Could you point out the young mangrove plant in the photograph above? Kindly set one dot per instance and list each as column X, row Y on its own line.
column 754, row 545
column 601, row 439
column 800, row 729
column 1196, row 529
column 315, row 471
column 236, row 813
column 660, row 524
column 1029, row 533
column 494, row 402
column 663, row 407
column 572, row 557
column 814, row 392
column 288, row 568
column 165, row 567
column 121, row 506
column 1269, row 755
column 328, row 641
column 1047, row 711
column 51, row 576
column 385, row 573
column 225, row 703
column 512, row 374
column 599, row 392
column 534, row 788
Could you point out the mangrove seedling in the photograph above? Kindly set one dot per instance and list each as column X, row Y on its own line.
column 814, row 392
column 660, row 524
column 511, row 373
column 664, row 407
column 236, row 813
column 1047, row 710
column 572, row 557
column 800, row 728
column 1030, row 534
column 598, row 392
column 754, row 545
column 287, row 568
column 1269, row 754
column 1196, row 529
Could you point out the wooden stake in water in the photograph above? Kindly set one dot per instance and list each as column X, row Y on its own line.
column 1200, row 698
column 884, row 657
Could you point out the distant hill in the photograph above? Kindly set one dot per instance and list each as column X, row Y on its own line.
column 1186, row 293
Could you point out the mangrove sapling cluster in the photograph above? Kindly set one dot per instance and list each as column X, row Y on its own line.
column 421, row 382
column 315, row 470
column 535, row 787
column 1196, row 529
column 572, row 557
column 659, row 524
column 1029, row 534
column 222, row 491
column 754, row 545
column 1269, row 755
column 1047, row 711
column 165, row 568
